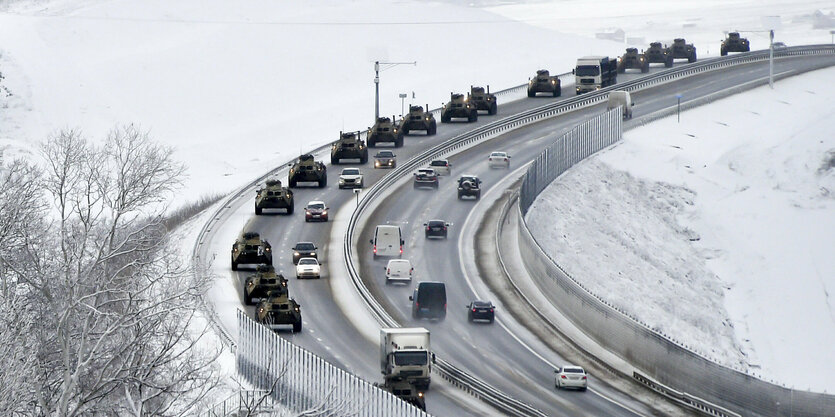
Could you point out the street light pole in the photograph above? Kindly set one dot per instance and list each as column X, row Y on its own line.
column 377, row 70
column 771, row 59
column 402, row 104
column 678, row 108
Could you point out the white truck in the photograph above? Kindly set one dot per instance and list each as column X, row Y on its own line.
column 405, row 355
column 595, row 72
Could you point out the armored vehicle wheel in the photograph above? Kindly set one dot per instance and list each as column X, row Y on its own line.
column 668, row 62
column 405, row 130
column 692, row 57
column 292, row 183
column 445, row 118
column 297, row 327
column 398, row 142
column 433, row 128
column 473, row 116
column 364, row 157
column 290, row 209
column 493, row 109
column 621, row 69
column 645, row 68
column 323, row 182
column 234, row 265
column 557, row 92
column 269, row 261
column 258, row 210
column 723, row 52
column 531, row 93
column 248, row 298
column 334, row 161
column 371, row 143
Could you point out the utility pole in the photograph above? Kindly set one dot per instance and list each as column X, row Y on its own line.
column 377, row 69
column 771, row 59
column 402, row 104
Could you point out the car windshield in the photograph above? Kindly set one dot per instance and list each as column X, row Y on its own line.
column 410, row 358
column 428, row 172
column 482, row 304
column 436, row 223
column 350, row 171
column 317, row 206
column 305, row 246
column 399, row 264
column 501, row 154
column 587, row 70
column 308, row 261
column 572, row 370
column 385, row 154
column 438, row 163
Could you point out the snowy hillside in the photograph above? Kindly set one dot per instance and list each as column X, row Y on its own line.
column 717, row 230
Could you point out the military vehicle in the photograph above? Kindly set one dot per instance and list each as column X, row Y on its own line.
column 418, row 119
column 458, row 106
column 263, row 282
column 734, row 43
column 656, row 53
column 249, row 248
column 680, row 49
column 306, row 169
column 384, row 131
column 543, row 82
column 632, row 59
column 349, row 146
column 406, row 391
column 273, row 196
column 278, row 308
column 483, row 100
column 469, row 186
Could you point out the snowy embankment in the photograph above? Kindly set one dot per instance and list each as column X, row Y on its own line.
column 718, row 230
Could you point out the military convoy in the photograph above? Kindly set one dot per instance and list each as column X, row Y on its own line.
column 632, row 59
column 249, row 248
column 306, row 169
column 734, row 43
column 264, row 281
column 458, row 106
column 384, row 130
column 543, row 82
column 273, row 196
column 278, row 308
column 658, row 54
column 680, row 49
column 418, row 119
column 349, row 146
column 483, row 100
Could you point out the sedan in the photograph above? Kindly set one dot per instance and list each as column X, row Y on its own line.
column 436, row 228
column 481, row 310
column 307, row 268
column 304, row 250
column 570, row 376
column 350, row 178
column 498, row 160
column 316, row 210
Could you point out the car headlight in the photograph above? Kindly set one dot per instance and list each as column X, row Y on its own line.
column 324, row 212
column 295, row 253
column 312, row 253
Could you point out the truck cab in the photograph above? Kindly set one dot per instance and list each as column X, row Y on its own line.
column 594, row 72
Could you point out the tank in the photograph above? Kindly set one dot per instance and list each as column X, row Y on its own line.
column 264, row 281
column 483, row 100
column 657, row 53
column 306, row 169
column 349, row 146
column 633, row 60
column 278, row 308
column 418, row 119
column 273, row 196
column 734, row 43
column 250, row 249
column 680, row 49
column 543, row 82
column 384, row 130
column 458, row 106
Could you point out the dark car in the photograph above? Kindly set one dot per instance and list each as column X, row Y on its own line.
column 316, row 210
column 429, row 300
column 304, row 250
column 481, row 310
column 436, row 228
column 426, row 177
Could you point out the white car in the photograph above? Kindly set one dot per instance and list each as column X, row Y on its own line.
column 441, row 166
column 399, row 270
column 498, row 160
column 307, row 268
column 350, row 178
column 570, row 376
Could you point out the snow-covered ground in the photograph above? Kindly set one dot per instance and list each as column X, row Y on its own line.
column 718, row 230
column 237, row 87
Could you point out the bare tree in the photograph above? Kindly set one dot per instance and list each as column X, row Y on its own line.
column 114, row 309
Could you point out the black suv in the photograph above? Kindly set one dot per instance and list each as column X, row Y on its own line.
column 436, row 228
column 304, row 250
column 429, row 300
column 469, row 186
column 426, row 177
column 481, row 310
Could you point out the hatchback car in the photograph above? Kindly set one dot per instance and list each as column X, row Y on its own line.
column 441, row 166
column 316, row 211
column 307, row 268
column 481, row 310
column 436, row 228
column 570, row 376
column 399, row 270
column 426, row 177
column 350, row 178
column 498, row 160
column 304, row 250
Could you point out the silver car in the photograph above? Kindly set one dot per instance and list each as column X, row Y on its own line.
column 441, row 166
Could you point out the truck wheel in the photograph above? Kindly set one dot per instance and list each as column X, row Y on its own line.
column 257, row 210
column 297, row 327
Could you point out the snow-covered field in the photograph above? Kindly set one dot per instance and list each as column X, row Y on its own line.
column 718, row 230
column 240, row 86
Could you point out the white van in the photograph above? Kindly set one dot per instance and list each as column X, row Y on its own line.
column 387, row 241
column 399, row 270
column 621, row 98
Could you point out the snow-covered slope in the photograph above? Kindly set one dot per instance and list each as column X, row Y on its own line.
column 718, row 230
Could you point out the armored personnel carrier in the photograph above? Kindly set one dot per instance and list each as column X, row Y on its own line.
column 349, row 146
column 458, row 106
column 734, row 43
column 278, row 308
column 483, row 100
column 306, row 169
column 656, row 53
column 632, row 59
column 263, row 282
column 680, row 49
column 418, row 119
column 273, row 196
column 384, row 131
column 543, row 82
column 249, row 248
